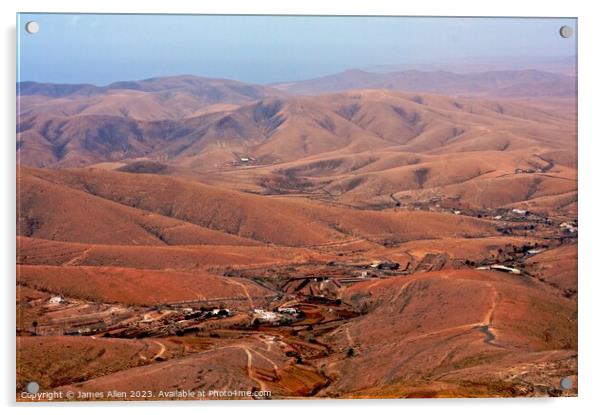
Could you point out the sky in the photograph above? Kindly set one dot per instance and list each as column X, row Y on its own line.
column 100, row 49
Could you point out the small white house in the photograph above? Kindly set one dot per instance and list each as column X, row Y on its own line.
column 288, row 310
column 568, row 227
column 499, row 267
column 220, row 311
column 506, row 269
column 57, row 299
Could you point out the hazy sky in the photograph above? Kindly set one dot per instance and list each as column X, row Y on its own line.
column 100, row 49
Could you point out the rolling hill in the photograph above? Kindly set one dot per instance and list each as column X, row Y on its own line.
column 509, row 83
column 361, row 235
column 276, row 130
column 206, row 90
column 425, row 337
column 128, row 214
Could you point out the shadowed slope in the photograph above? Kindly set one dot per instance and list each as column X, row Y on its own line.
column 274, row 130
column 52, row 211
column 277, row 220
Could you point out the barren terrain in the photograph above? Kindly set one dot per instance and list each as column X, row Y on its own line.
column 408, row 235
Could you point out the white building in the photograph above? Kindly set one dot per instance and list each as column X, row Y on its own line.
column 219, row 311
column 266, row 316
column 57, row 299
column 568, row 227
column 288, row 310
column 506, row 269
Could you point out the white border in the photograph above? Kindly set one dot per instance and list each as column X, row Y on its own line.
column 590, row 151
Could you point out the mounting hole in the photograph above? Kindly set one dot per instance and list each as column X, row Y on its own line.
column 566, row 383
column 32, row 387
column 566, row 31
column 32, row 27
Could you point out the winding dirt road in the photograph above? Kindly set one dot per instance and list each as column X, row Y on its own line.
column 161, row 351
column 244, row 288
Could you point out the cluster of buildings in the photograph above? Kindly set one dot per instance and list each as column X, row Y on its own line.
column 280, row 316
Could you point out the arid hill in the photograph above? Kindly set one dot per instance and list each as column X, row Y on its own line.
column 509, row 83
column 208, row 90
column 395, row 235
column 427, row 330
column 372, row 132
column 136, row 286
column 126, row 213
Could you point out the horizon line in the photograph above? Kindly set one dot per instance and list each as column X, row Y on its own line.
column 366, row 70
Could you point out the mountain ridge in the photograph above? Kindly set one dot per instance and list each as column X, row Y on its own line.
column 508, row 83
